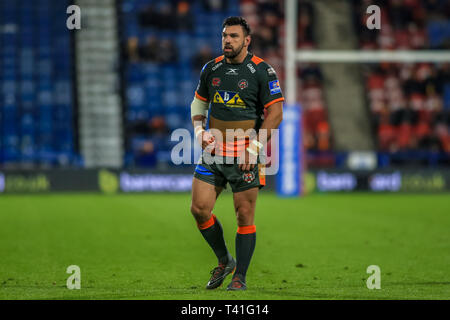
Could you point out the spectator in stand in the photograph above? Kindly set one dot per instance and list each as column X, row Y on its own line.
column 153, row 50
column 417, row 36
column 270, row 6
column 385, row 131
column 184, row 21
column 215, row 5
column 167, row 52
column 399, row 14
column 305, row 25
column 202, row 57
column 149, row 51
column 262, row 41
column 404, row 23
column 145, row 153
column 148, row 17
column 436, row 9
column 323, row 136
column 169, row 15
column 163, row 17
column 405, row 115
column 265, row 23
column 146, row 149
column 414, row 85
column 132, row 49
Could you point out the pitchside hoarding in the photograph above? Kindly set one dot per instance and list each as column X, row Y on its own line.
column 103, row 180
column 140, row 181
column 378, row 181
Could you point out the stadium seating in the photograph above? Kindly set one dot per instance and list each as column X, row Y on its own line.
column 36, row 102
column 407, row 101
column 267, row 22
column 165, row 44
column 159, row 91
column 159, row 88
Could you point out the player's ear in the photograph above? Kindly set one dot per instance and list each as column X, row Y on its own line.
column 248, row 39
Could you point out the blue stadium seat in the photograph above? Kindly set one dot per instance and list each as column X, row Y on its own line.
column 35, row 80
column 436, row 33
column 136, row 96
column 447, row 96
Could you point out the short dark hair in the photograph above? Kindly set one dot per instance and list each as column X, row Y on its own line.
column 235, row 21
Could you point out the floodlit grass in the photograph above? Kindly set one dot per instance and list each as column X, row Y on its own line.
column 148, row 247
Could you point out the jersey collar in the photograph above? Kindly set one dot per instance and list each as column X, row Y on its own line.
column 246, row 59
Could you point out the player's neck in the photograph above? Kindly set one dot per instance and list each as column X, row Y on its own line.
column 238, row 59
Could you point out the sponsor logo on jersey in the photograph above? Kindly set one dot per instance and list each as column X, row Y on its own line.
column 229, row 99
column 250, row 66
column 215, row 82
column 274, row 87
column 216, row 66
column 242, row 84
column 271, row 71
column 248, row 177
column 232, row 72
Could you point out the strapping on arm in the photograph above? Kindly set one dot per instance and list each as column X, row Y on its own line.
column 199, row 107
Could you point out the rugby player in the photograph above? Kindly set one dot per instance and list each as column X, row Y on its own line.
column 239, row 86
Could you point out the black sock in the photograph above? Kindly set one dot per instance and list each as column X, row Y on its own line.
column 245, row 245
column 213, row 233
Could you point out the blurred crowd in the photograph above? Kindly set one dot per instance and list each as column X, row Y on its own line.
column 265, row 19
column 168, row 15
column 406, row 24
column 267, row 22
column 152, row 50
column 410, row 103
column 407, row 103
column 166, row 43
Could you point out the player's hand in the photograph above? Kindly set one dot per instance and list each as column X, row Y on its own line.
column 249, row 161
column 208, row 141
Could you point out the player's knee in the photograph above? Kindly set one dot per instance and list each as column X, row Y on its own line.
column 200, row 211
column 244, row 215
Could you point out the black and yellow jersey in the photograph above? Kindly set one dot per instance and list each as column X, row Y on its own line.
column 238, row 93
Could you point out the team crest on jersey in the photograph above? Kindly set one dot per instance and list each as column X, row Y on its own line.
column 242, row 84
column 229, row 99
column 215, row 82
column 248, row 177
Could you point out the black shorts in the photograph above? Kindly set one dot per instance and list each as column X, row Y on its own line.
column 218, row 174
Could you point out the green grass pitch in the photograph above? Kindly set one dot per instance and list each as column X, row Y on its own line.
column 148, row 247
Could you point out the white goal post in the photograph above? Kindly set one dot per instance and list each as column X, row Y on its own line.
column 292, row 55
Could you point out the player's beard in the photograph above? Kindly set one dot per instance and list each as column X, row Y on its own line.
column 234, row 52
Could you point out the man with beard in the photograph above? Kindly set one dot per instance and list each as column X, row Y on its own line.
column 239, row 87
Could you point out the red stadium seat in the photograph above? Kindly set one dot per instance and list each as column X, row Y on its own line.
column 404, row 135
column 422, row 129
column 386, row 135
